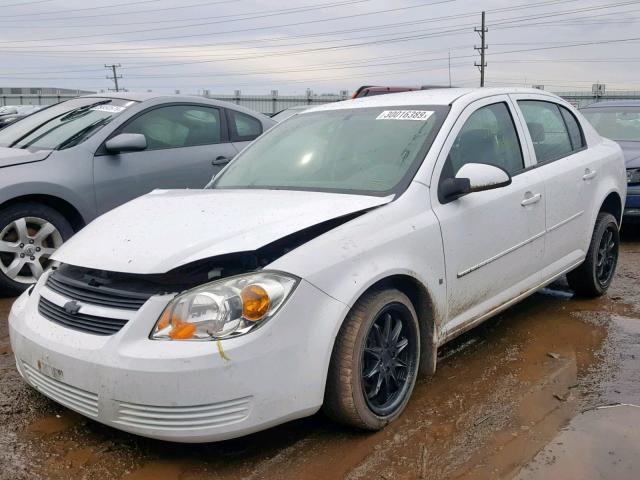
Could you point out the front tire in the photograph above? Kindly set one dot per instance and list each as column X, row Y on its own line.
column 375, row 361
column 29, row 234
column 594, row 276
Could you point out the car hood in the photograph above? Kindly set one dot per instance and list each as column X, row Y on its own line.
column 631, row 152
column 16, row 156
column 169, row 228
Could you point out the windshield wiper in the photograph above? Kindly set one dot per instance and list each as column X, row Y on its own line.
column 62, row 116
column 77, row 137
column 79, row 110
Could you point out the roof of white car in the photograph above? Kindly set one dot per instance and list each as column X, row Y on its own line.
column 437, row 96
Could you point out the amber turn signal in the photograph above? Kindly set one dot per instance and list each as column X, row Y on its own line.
column 255, row 302
column 165, row 319
column 182, row 331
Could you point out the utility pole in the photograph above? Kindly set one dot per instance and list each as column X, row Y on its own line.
column 482, row 31
column 115, row 77
column 449, row 68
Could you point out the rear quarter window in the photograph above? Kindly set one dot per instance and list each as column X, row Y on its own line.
column 243, row 127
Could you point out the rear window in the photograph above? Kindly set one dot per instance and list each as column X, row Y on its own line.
column 617, row 123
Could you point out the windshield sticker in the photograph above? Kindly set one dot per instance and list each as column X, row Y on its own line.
column 107, row 108
column 420, row 115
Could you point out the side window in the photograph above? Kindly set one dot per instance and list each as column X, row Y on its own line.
column 244, row 127
column 177, row 126
column 547, row 128
column 488, row 136
column 575, row 132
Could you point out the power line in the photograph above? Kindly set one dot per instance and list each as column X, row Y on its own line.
column 395, row 63
column 401, row 39
column 57, row 12
column 126, row 12
column 370, row 13
column 505, row 21
column 200, row 18
column 315, row 7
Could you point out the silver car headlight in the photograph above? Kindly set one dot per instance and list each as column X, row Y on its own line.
column 633, row 176
column 224, row 308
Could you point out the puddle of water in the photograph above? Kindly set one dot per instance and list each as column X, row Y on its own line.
column 56, row 423
column 598, row 441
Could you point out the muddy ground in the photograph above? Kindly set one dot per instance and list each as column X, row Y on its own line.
column 519, row 396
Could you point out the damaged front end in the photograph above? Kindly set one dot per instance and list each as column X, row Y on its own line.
column 217, row 297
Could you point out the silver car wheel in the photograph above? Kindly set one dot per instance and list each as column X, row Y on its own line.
column 26, row 245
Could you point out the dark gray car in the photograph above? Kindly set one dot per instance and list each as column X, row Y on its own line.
column 620, row 121
column 63, row 166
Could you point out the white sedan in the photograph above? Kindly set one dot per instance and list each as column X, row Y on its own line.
column 324, row 266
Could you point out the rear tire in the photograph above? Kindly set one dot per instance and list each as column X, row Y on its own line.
column 29, row 234
column 594, row 276
column 375, row 361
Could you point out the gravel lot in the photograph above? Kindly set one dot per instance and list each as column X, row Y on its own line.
column 517, row 396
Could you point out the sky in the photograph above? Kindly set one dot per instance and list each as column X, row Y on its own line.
column 257, row 46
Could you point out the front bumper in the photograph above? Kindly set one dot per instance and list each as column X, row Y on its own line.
column 181, row 391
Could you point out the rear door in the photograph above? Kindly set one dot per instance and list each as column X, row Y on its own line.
column 186, row 145
column 570, row 174
column 493, row 240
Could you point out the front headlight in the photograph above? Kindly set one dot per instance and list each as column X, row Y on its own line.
column 633, row 176
column 224, row 308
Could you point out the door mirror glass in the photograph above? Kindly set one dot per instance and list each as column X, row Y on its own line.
column 474, row 177
column 126, row 142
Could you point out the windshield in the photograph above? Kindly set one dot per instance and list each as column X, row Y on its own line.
column 63, row 125
column 621, row 124
column 364, row 150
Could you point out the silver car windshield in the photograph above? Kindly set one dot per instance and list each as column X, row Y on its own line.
column 363, row 150
column 621, row 124
column 63, row 125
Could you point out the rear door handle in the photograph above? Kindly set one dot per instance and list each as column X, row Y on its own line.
column 221, row 160
column 530, row 199
column 589, row 174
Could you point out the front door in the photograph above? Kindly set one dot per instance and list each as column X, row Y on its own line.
column 493, row 240
column 186, row 145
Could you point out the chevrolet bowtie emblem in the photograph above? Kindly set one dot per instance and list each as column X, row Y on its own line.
column 72, row 308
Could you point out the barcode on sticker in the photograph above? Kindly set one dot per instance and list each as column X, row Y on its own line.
column 405, row 115
column 107, row 108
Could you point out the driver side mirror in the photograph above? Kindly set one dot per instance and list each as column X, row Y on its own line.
column 475, row 177
column 126, row 142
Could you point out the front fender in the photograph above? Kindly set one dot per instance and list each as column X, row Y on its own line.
column 400, row 238
column 45, row 189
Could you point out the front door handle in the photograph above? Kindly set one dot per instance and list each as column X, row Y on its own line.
column 221, row 160
column 589, row 174
column 530, row 199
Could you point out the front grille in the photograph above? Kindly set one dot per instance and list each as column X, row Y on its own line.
column 97, row 294
column 74, row 398
column 79, row 321
column 194, row 417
